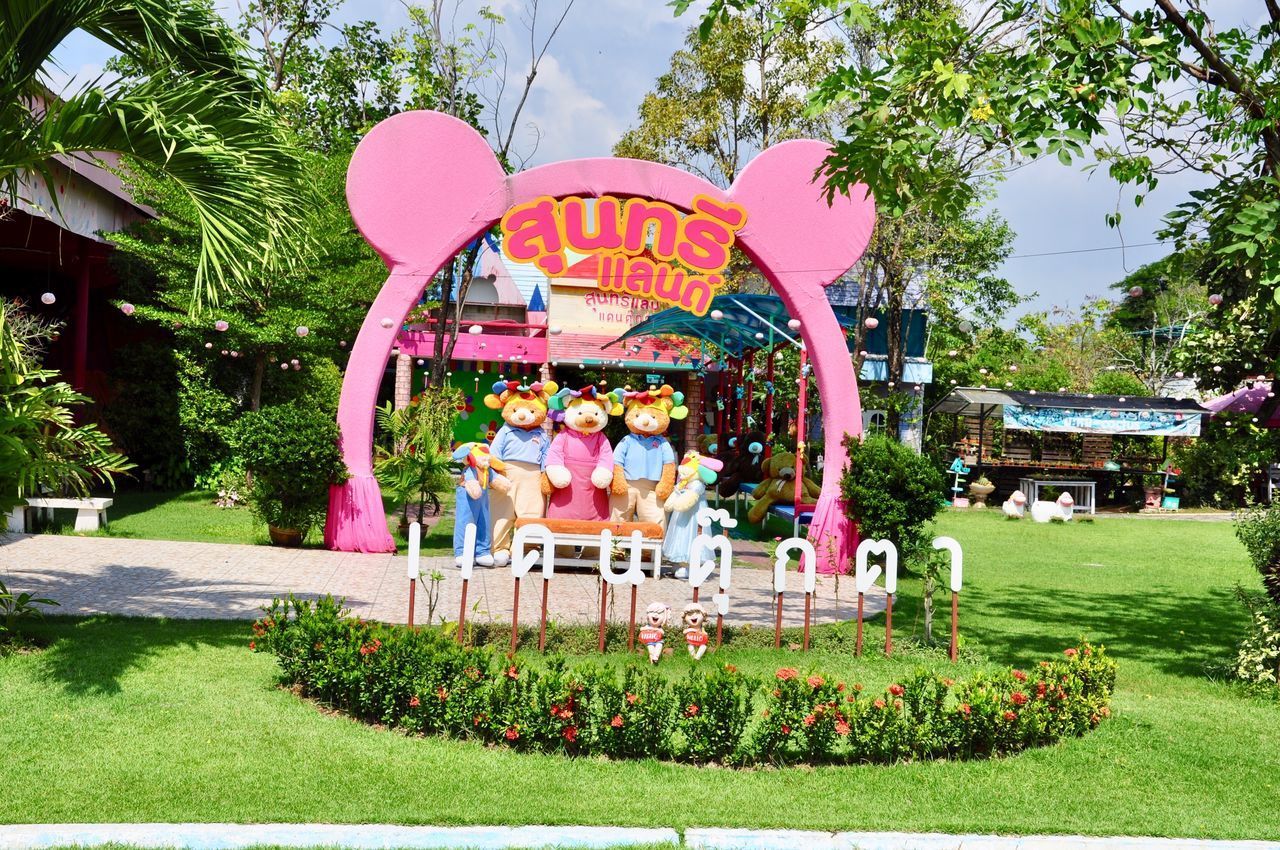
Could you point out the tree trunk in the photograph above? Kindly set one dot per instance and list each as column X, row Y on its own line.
column 895, row 358
column 259, row 371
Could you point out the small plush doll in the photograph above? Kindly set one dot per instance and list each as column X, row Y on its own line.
column 579, row 465
column 692, row 479
column 644, row 464
column 521, row 443
column 480, row 472
column 779, row 486
column 695, row 635
column 652, row 633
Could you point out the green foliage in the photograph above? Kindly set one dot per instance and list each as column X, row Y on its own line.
column 1258, row 657
column 41, row 445
column 1259, row 530
column 17, row 608
column 195, row 112
column 291, row 450
column 422, row 681
column 1220, row 468
column 411, row 457
column 893, row 493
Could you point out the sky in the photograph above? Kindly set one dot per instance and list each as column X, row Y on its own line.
column 609, row 52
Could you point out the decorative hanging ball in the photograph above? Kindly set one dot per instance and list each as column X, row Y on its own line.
column 1062, row 389
column 208, row 345
column 421, row 362
column 1215, row 299
column 48, row 298
column 862, row 353
column 717, row 314
column 448, row 374
column 1217, row 368
column 284, row 365
column 759, row 335
column 297, row 367
column 1090, row 395
column 918, row 388
column 225, row 352
column 294, row 362
column 982, row 371
column 953, row 382
column 555, row 362
column 872, row 323
column 582, row 365
column 1008, row 383
column 342, row 343
column 127, row 309
column 302, row 330
column 235, row 354
column 1033, row 392
column 891, row 385
column 555, row 330
column 794, row 324
column 1122, row 398
column 1177, row 374
column 1135, row 292
column 221, row 325
column 1271, row 395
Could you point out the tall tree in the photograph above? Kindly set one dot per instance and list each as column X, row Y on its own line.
column 198, row 113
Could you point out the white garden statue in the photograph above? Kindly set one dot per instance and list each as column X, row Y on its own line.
column 1016, row 505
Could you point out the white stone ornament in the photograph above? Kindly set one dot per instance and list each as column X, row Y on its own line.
column 808, row 559
column 957, row 560
column 522, row 562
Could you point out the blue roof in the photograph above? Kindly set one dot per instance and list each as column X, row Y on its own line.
column 536, row 304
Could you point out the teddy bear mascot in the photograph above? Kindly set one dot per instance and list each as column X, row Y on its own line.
column 644, row 464
column 480, row 473
column 779, row 486
column 579, row 466
column 521, row 444
column 693, row 477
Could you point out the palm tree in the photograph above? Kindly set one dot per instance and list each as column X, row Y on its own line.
column 198, row 113
column 41, row 446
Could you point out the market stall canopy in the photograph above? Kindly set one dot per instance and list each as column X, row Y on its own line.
column 1078, row 414
column 1245, row 400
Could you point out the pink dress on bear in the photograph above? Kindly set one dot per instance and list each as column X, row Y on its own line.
column 581, row 454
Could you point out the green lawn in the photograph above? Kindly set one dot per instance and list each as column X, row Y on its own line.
column 142, row 720
column 191, row 515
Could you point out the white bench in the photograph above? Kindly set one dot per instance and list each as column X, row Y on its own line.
column 585, row 534
column 90, row 513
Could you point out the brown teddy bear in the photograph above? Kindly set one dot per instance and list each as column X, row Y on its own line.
column 644, row 463
column 521, row 444
column 779, row 486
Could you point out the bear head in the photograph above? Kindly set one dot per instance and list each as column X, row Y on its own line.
column 523, row 406
column 587, row 410
column 649, row 412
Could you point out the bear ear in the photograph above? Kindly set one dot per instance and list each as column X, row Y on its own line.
column 493, row 402
column 550, row 388
column 557, row 401
column 678, row 412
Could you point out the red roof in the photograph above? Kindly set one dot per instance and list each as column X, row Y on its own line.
column 586, row 348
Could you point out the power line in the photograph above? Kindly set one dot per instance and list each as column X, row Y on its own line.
column 1085, row 250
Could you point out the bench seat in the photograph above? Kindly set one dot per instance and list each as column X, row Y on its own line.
column 91, row 513
column 585, row 534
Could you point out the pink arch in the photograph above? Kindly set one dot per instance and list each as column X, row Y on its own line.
column 422, row 184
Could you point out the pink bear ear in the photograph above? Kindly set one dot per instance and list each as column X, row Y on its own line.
column 790, row 225
column 420, row 179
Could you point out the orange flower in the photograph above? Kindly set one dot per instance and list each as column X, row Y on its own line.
column 787, row 673
column 786, row 730
column 809, row 720
column 816, row 681
column 896, row 690
column 1019, row 675
column 842, row 728
column 1018, row 698
column 691, row 711
column 631, row 699
column 570, row 733
column 252, row 646
column 511, row 734
column 512, row 672
column 616, row 722
column 964, row 708
column 414, row 702
column 1070, row 652
column 879, row 703
column 1009, row 716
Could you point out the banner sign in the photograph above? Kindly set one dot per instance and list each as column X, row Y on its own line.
column 1152, row 423
column 690, row 250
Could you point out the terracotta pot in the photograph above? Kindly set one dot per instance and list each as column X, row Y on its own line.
column 290, row 538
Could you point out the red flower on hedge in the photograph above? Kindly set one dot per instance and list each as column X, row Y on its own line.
column 840, row 688
column 252, row 646
column 414, row 702
column 964, row 708
column 729, row 668
column 857, row 686
column 513, row 672
column 1019, row 675
column 1010, row 716
column 1018, row 698
column 570, row 733
column 816, row 681
column 809, row 720
column 442, row 694
column 842, row 728
column 896, row 690
column 787, row 673
column 1041, row 687
column 691, row 711
column 631, row 699
column 1070, row 652
column 477, row 720
column 897, row 703
column 879, row 703
column 1104, row 711
column 616, row 722
column 511, row 734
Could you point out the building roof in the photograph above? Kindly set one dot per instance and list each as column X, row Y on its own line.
column 976, row 401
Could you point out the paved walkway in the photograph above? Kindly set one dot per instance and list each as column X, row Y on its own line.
column 158, row 578
column 214, row 836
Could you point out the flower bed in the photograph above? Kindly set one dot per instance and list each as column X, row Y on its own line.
column 424, row 683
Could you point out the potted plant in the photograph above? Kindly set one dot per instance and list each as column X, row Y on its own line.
column 980, row 490
column 291, row 454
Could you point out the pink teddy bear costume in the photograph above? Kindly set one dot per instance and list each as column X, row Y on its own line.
column 584, row 453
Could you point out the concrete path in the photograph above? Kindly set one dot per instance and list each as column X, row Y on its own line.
column 158, row 578
column 215, row 836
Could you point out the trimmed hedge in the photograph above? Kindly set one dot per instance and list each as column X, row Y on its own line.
column 424, row 683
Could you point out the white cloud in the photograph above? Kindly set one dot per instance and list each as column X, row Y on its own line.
column 572, row 122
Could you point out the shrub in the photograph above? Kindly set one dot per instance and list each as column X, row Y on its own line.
column 291, row 450
column 892, row 492
column 421, row 681
column 1259, row 530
